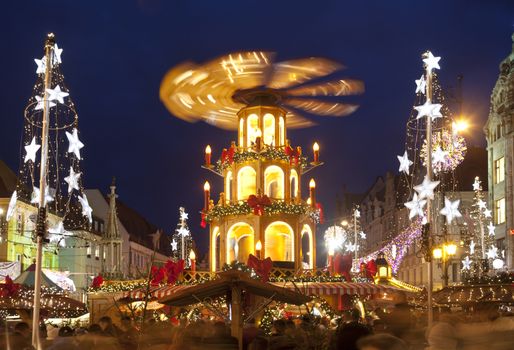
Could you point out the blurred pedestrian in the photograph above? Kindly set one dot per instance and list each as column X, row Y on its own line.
column 381, row 342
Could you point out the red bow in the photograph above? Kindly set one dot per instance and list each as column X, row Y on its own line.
column 97, row 281
column 228, row 156
column 293, row 154
column 320, row 211
column 157, row 275
column 261, row 267
column 258, row 203
column 9, row 288
column 173, row 270
column 343, row 266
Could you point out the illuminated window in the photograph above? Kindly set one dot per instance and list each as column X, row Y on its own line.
column 499, row 170
column 88, row 251
column 499, row 211
column 274, row 182
column 281, row 131
column 279, row 241
column 240, row 242
column 246, row 182
column 97, row 252
column 252, row 128
column 269, row 129
column 228, row 187
column 293, row 178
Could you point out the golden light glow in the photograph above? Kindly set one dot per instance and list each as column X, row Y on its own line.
column 312, row 183
column 344, row 223
column 315, row 147
column 451, row 249
column 258, row 133
column 206, row 186
column 437, row 253
column 192, row 255
column 258, row 245
column 309, row 201
column 330, row 250
column 208, row 149
column 460, row 125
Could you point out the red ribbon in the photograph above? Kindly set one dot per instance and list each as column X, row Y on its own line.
column 258, row 203
column 293, row 154
column 97, row 281
column 343, row 265
column 261, row 267
column 228, row 156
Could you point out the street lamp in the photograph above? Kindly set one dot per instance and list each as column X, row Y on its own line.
column 445, row 253
column 384, row 271
column 460, row 125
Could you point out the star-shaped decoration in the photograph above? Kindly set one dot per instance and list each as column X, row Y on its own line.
column 351, row 247
column 72, row 180
column 31, row 150
column 432, row 110
column 12, row 206
column 183, row 232
column 481, row 204
column 41, row 103
column 174, row 245
column 476, row 184
column 492, row 253
column 415, row 206
column 57, row 55
column 74, row 143
column 86, row 209
column 466, row 263
column 431, row 61
column 426, row 188
column 439, row 156
column 357, row 213
column 488, row 213
column 57, row 233
column 56, row 94
column 451, row 210
column 472, row 247
column 41, row 65
column 49, row 195
column 421, row 85
column 362, row 235
column 491, row 228
column 405, row 163
column 184, row 215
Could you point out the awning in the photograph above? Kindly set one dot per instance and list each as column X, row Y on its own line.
column 155, row 292
column 337, row 288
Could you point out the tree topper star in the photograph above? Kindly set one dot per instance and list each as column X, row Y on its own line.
column 415, row 206
column 405, row 163
column 31, row 150
column 431, row 62
column 426, row 188
column 451, row 210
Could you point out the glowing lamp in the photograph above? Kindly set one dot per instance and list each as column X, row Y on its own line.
column 208, row 156
column 344, row 223
column 498, row 264
column 192, row 258
column 192, row 255
column 258, row 133
column 258, row 245
column 312, row 183
column 460, row 125
column 451, row 249
column 206, row 186
column 315, row 149
column 437, row 253
column 384, row 270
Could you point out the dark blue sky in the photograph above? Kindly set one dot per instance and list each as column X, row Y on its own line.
column 116, row 52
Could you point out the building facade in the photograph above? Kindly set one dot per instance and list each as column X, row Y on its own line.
column 499, row 133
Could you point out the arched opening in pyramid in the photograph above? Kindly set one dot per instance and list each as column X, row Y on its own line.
column 240, row 242
column 279, row 241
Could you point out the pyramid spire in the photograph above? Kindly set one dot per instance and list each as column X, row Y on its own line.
column 112, row 231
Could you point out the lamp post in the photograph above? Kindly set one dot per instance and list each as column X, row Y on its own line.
column 384, row 271
column 444, row 253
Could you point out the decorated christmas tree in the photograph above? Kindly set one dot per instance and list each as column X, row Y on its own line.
column 181, row 239
column 51, row 151
column 481, row 252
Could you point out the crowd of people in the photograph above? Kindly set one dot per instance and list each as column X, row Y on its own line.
column 397, row 330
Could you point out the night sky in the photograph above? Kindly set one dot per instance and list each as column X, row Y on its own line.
column 116, row 52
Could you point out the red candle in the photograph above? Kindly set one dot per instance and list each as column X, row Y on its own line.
column 315, row 148
column 331, row 261
column 312, row 192
column 207, row 195
column 192, row 257
column 208, row 156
